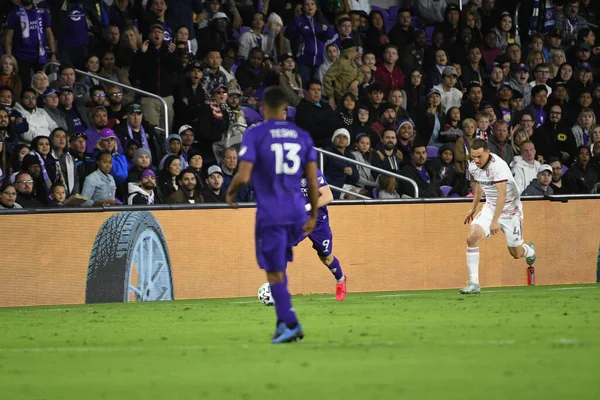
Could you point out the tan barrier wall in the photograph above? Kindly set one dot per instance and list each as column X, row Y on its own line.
column 381, row 248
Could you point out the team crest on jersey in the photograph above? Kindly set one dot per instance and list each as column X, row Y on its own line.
column 562, row 137
column 303, row 182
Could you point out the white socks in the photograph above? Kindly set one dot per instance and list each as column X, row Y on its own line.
column 528, row 250
column 473, row 264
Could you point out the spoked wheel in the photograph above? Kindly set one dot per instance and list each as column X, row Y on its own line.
column 129, row 261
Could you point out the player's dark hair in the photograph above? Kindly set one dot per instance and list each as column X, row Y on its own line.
column 479, row 144
column 274, row 97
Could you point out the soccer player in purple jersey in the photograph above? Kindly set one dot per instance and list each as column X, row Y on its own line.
column 321, row 237
column 275, row 154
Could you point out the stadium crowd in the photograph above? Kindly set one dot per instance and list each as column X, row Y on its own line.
column 406, row 89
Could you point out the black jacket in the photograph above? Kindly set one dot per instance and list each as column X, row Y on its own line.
column 334, row 169
column 248, row 77
column 211, row 197
column 578, row 180
column 320, row 122
column 185, row 114
column 391, row 163
column 156, row 149
column 156, row 70
column 426, row 190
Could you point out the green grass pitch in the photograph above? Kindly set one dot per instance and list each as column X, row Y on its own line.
column 507, row 343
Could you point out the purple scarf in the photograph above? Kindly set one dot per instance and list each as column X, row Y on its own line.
column 24, row 19
column 142, row 134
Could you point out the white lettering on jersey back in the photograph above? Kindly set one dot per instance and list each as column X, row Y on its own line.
column 283, row 133
column 497, row 171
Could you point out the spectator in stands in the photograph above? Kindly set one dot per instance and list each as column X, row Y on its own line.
column 396, row 99
column 4, row 154
column 290, row 80
column 121, row 13
column 254, row 37
column 187, row 134
column 191, row 96
column 388, row 157
column 195, row 161
column 430, row 119
column 49, row 167
column 8, row 196
column 316, row 116
column 502, row 108
column 505, row 32
column 569, row 22
column 451, row 23
column 142, row 160
column 520, row 81
column 108, row 143
column 413, row 55
column 234, row 98
column 213, row 73
column 116, row 110
column 375, row 100
column 92, row 66
column 143, row 191
column 582, row 131
column 188, row 192
column 557, row 172
column 277, row 43
column 419, row 171
column 66, row 77
column 167, row 177
column 539, row 99
column 450, row 96
column 111, row 71
column 499, row 142
column 228, row 166
column 97, row 97
column 100, row 187
column 462, row 149
column 251, row 74
column 79, row 115
column 514, row 53
column 173, row 148
column 155, row 14
column 545, row 137
column 435, row 73
column 40, row 123
column 541, row 185
column 524, row 167
column 473, row 69
column 73, row 42
column 344, row 75
column 472, row 105
column 492, row 84
column 99, row 122
column 312, row 31
column 155, row 69
column 26, row 197
column 415, row 91
column 388, row 72
column 214, row 36
column 9, row 73
column 364, row 154
column 16, row 158
column 131, row 43
column 67, row 168
column 386, row 187
column 213, row 192
column 181, row 13
column 219, row 119
column 344, row 31
column 387, row 120
column 136, row 127
column 376, row 34
column 338, row 172
column 401, row 34
column 39, row 83
column 581, row 177
column 29, row 45
column 18, row 124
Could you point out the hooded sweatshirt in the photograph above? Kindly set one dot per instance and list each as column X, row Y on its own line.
column 523, row 172
column 535, row 189
column 137, row 195
column 184, row 163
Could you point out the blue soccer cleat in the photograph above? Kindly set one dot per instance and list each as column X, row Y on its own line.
column 289, row 335
column 281, row 327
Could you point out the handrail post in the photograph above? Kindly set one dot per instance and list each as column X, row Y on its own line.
column 133, row 89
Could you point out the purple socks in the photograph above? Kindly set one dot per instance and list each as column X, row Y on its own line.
column 336, row 269
column 283, row 304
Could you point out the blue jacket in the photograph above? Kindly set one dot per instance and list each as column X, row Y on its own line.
column 312, row 38
column 334, row 169
column 119, row 169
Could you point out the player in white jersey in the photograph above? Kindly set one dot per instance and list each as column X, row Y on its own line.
column 502, row 210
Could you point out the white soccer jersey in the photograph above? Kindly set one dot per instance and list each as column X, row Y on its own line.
column 497, row 171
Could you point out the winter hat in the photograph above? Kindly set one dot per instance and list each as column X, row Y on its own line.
column 193, row 152
column 142, row 151
column 28, row 161
column 446, row 146
column 274, row 18
column 172, row 137
column 403, row 122
column 538, row 88
column 341, row 131
column 147, row 172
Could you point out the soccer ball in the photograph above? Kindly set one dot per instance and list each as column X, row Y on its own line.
column 265, row 296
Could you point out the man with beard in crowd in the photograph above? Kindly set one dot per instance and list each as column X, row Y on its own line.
column 78, row 114
column 116, row 111
column 143, row 192
column 557, row 172
column 386, row 121
column 213, row 192
column 190, row 95
column 388, row 157
column 419, row 172
column 25, row 194
column 83, row 161
column 188, row 192
column 136, row 127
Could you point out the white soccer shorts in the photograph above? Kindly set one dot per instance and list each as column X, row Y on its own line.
column 512, row 226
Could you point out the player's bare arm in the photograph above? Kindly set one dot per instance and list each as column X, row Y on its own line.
column 476, row 199
column 239, row 181
column 326, row 197
column 500, row 202
column 310, row 171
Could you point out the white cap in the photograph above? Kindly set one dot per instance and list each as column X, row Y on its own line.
column 185, row 128
column 544, row 167
column 215, row 169
column 341, row 131
column 220, row 15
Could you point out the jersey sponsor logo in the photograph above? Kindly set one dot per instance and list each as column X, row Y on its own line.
column 243, row 150
column 76, row 15
column 303, row 182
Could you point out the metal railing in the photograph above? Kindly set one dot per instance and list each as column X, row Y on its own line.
column 133, row 89
column 376, row 169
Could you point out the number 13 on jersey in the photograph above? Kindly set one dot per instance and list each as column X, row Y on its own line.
column 289, row 151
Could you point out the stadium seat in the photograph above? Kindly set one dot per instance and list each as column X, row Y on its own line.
column 429, row 33
column 446, row 189
column 564, row 169
column 236, row 34
column 415, row 23
column 432, row 152
column 244, row 29
column 381, row 10
column 393, row 11
column 389, row 24
column 291, row 113
column 251, row 115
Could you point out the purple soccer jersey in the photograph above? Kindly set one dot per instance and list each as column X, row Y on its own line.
column 278, row 150
column 321, row 237
column 28, row 49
